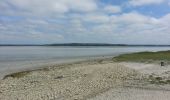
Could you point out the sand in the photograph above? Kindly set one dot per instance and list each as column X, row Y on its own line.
column 142, row 90
column 133, row 94
column 65, row 82
column 88, row 80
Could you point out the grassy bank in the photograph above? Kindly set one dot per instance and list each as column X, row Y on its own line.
column 144, row 57
column 150, row 57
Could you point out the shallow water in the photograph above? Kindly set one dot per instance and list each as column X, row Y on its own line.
column 13, row 58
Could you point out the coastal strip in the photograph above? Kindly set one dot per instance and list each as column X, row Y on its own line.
column 131, row 76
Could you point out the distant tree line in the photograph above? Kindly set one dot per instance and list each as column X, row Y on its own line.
column 84, row 44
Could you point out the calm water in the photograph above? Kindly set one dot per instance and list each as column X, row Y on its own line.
column 14, row 58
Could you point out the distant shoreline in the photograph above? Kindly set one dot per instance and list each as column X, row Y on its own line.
column 89, row 44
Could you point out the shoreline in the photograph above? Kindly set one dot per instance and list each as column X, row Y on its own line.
column 78, row 80
column 33, row 66
column 92, row 79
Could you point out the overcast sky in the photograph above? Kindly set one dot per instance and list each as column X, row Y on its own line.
column 82, row 21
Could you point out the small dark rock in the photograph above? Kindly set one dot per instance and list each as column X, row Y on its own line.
column 162, row 63
column 158, row 78
column 168, row 81
column 85, row 75
column 34, row 82
column 59, row 77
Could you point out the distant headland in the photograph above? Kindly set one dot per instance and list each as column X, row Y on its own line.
column 85, row 44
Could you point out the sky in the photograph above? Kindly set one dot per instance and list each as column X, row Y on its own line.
column 85, row 21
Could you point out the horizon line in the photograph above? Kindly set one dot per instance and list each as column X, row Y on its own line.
column 84, row 44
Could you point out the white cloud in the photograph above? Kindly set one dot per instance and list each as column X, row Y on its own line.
column 44, row 36
column 82, row 5
column 130, row 27
column 112, row 9
column 165, row 19
column 135, row 28
column 96, row 18
column 133, row 17
column 34, row 37
column 52, row 6
column 144, row 2
column 80, row 21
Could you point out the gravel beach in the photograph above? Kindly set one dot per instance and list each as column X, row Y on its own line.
column 145, row 90
column 64, row 82
column 86, row 80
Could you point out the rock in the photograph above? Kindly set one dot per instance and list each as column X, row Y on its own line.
column 59, row 77
column 162, row 63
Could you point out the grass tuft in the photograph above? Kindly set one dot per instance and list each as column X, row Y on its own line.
column 17, row 75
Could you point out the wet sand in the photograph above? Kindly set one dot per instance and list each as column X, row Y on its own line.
column 18, row 66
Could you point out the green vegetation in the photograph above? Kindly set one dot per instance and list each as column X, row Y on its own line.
column 158, row 80
column 17, row 75
column 24, row 73
column 144, row 57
